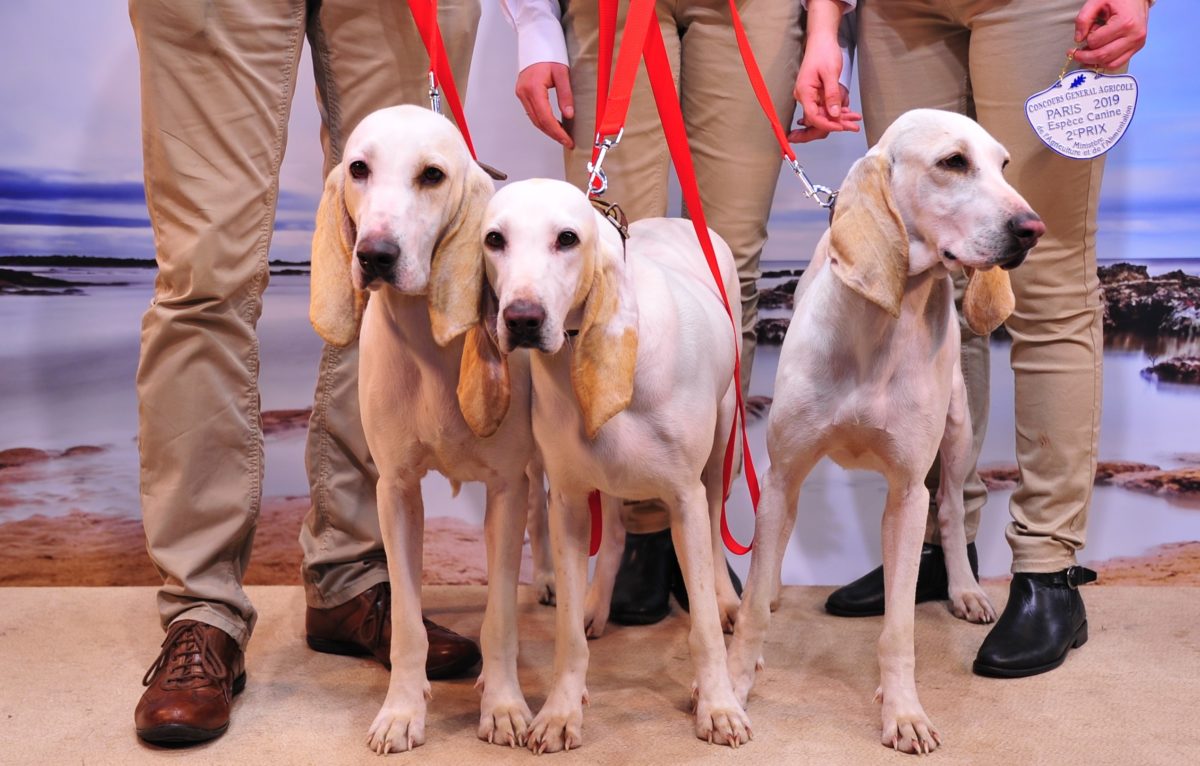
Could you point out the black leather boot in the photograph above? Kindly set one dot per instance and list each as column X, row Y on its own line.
column 1042, row 621
column 642, row 591
column 864, row 596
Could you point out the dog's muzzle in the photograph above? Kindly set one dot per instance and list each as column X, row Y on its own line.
column 377, row 259
column 1024, row 230
column 524, row 320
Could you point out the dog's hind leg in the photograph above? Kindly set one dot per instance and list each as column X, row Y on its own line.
column 720, row 718
column 504, row 716
column 967, row 599
column 608, row 561
column 538, row 528
column 772, row 529
column 559, row 724
column 906, row 727
column 400, row 724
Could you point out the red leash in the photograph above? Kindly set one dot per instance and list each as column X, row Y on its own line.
column 643, row 39
column 424, row 13
column 759, row 87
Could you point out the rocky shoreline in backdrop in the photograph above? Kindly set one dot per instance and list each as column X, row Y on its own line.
column 1140, row 477
column 1167, row 305
column 27, row 274
column 1134, row 302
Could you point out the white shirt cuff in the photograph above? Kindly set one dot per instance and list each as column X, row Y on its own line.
column 539, row 32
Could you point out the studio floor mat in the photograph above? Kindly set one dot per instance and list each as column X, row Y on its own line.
column 73, row 659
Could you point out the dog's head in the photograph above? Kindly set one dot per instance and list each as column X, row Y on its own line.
column 931, row 191
column 554, row 264
column 401, row 209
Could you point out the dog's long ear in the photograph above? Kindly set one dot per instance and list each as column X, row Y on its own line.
column 988, row 300
column 456, row 273
column 606, row 351
column 483, row 384
column 870, row 243
column 335, row 308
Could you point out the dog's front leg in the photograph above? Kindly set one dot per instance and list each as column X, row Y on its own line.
column 906, row 727
column 559, row 724
column 967, row 599
column 539, row 532
column 772, row 529
column 400, row 724
column 608, row 561
column 504, row 715
column 720, row 718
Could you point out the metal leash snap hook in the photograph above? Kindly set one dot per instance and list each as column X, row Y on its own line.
column 824, row 196
column 435, row 95
column 597, row 180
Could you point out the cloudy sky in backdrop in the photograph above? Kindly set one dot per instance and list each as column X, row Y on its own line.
column 70, row 153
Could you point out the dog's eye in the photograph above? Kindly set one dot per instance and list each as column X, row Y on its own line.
column 494, row 240
column 567, row 239
column 955, row 161
column 432, row 176
column 359, row 170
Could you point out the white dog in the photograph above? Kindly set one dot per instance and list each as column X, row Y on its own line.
column 869, row 374
column 639, row 405
column 400, row 216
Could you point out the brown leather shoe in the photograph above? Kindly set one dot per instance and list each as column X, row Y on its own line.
column 190, row 686
column 362, row 627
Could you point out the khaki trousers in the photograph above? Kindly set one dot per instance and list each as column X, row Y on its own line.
column 984, row 58
column 736, row 156
column 217, row 81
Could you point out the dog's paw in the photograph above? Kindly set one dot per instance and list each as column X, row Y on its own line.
column 721, row 719
column 557, row 726
column 776, row 595
column 742, row 681
column 543, row 586
column 727, row 608
column 595, row 612
column 505, row 722
column 906, row 728
column 972, row 605
column 595, row 625
column 398, row 727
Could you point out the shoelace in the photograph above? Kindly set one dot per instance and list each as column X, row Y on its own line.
column 188, row 659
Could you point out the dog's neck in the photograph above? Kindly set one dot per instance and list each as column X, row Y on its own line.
column 407, row 317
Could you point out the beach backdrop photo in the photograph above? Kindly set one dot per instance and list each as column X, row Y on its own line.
column 77, row 272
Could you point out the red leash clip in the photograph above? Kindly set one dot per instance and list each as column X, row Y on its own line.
column 425, row 16
column 597, row 180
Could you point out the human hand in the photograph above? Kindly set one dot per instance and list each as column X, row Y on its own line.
column 1113, row 30
column 533, row 91
column 824, row 101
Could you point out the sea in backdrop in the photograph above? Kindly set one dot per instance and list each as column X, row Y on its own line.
column 69, row 362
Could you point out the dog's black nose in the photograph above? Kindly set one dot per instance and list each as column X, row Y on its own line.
column 524, row 320
column 1026, row 229
column 378, row 258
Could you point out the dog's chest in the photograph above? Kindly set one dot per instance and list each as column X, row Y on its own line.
column 410, row 411
column 629, row 456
